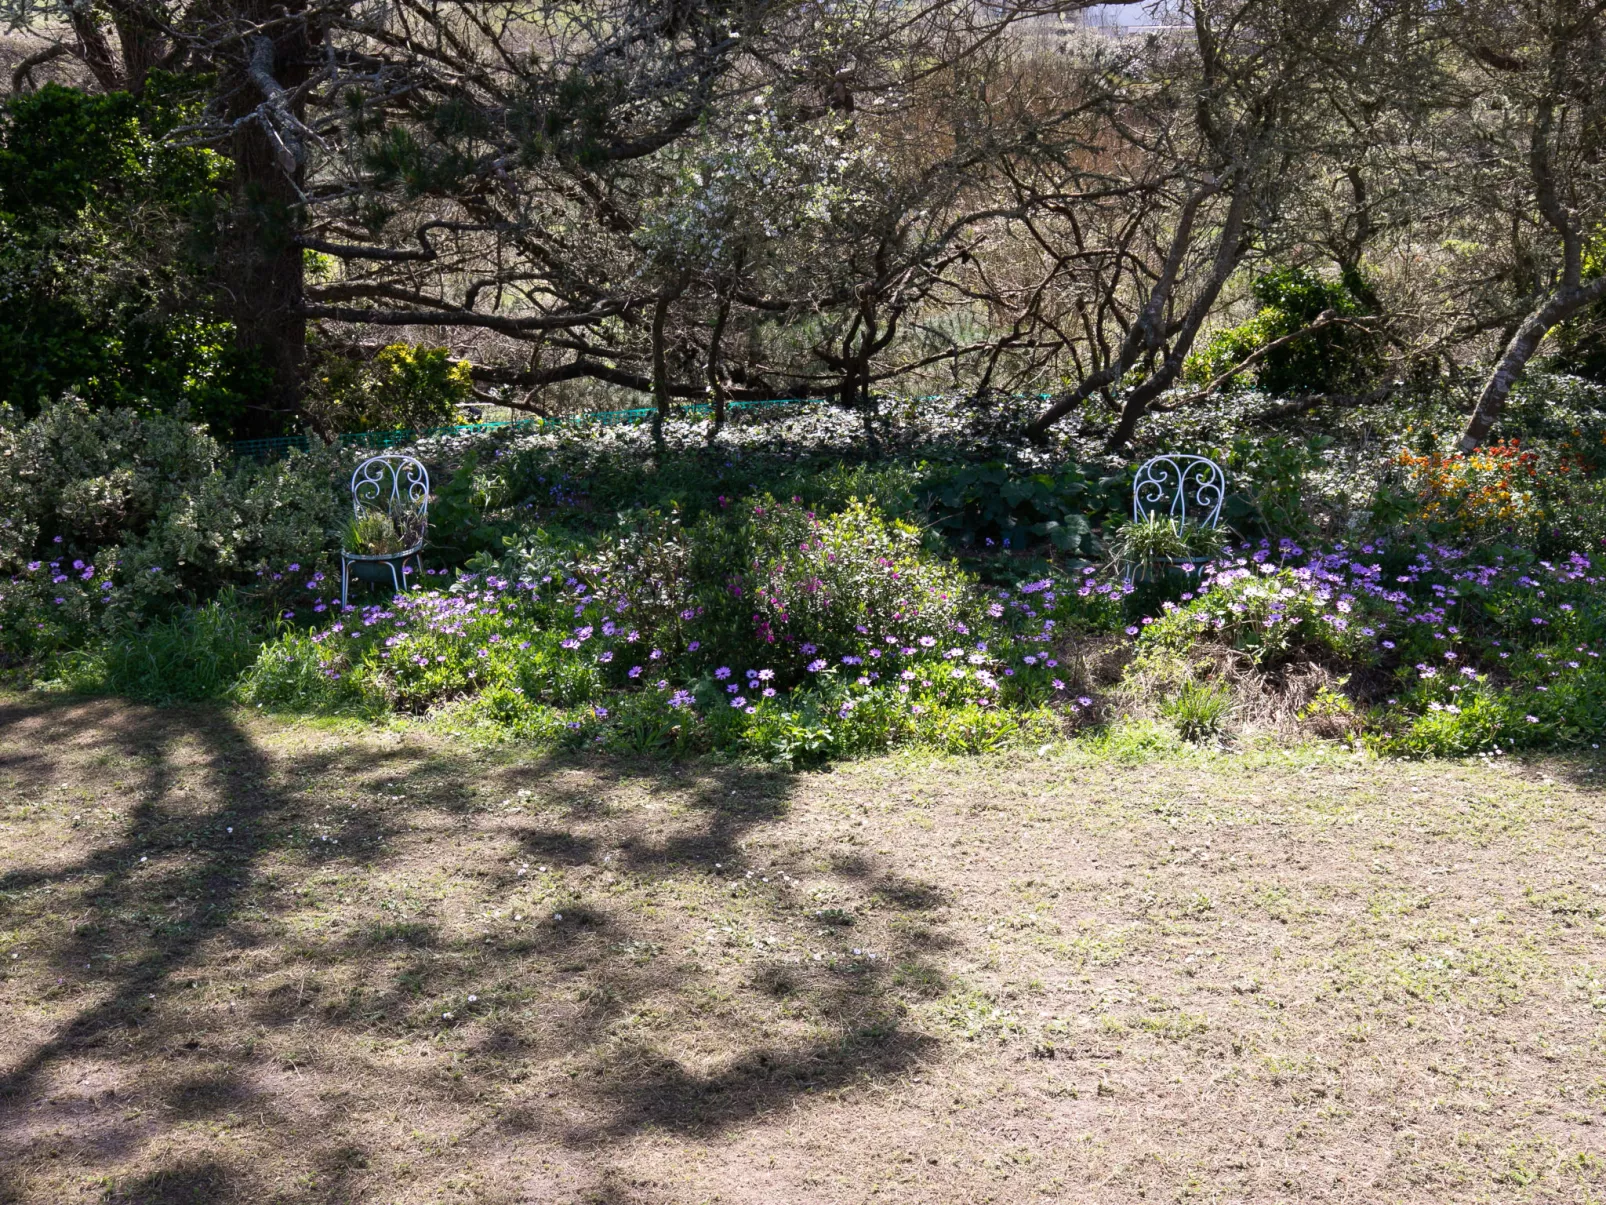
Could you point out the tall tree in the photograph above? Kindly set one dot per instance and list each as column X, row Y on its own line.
column 1224, row 113
column 1535, row 133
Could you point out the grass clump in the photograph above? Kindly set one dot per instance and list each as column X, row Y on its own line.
column 373, row 532
column 197, row 653
column 1199, row 710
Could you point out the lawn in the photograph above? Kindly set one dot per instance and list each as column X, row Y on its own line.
column 253, row 960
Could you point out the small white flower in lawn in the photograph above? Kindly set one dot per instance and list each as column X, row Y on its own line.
column 446, row 1016
column 516, row 916
column 473, row 999
column 230, row 829
column 542, row 869
column 142, row 858
column 557, row 916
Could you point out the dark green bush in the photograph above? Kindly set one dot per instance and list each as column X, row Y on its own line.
column 1334, row 359
column 992, row 505
column 104, row 230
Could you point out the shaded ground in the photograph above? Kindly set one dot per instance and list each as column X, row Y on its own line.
column 246, row 961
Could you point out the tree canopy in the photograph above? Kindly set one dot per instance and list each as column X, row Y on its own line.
column 718, row 199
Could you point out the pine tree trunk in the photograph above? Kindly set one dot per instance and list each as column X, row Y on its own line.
column 261, row 269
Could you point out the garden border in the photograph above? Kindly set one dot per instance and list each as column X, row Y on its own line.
column 274, row 446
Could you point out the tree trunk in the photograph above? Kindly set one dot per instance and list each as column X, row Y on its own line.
column 716, row 388
column 867, row 410
column 660, row 371
column 1507, row 370
column 1229, row 250
column 261, row 267
column 1145, row 335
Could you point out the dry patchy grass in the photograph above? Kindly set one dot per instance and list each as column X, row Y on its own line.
column 251, row 961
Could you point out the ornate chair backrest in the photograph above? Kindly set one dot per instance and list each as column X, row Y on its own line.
column 1189, row 489
column 390, row 483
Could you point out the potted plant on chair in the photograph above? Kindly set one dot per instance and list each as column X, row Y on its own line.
column 1176, row 506
column 390, row 517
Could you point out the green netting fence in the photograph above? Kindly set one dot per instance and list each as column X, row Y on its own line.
column 267, row 449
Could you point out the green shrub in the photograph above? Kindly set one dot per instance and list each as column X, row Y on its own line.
column 995, row 506
column 402, row 386
column 1273, row 615
column 104, row 229
column 1274, row 472
column 832, row 581
column 1337, row 357
column 1474, row 723
column 198, row 653
column 50, row 606
column 803, row 732
column 1149, row 546
column 150, row 502
column 291, row 674
column 641, row 643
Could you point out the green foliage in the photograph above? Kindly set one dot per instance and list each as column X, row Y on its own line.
column 1274, row 471
column 1475, row 723
column 382, row 532
column 601, row 475
column 199, row 653
column 1147, row 548
column 1337, row 357
column 992, row 505
column 461, row 523
column 857, row 638
column 1198, row 709
column 788, row 631
column 60, row 148
column 402, row 386
column 150, row 504
column 104, row 230
column 830, row 580
column 1273, row 615
column 289, row 675
column 1539, row 496
column 1580, row 342
column 800, row 734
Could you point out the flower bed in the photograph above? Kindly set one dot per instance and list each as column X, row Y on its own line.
column 822, row 635
column 1480, row 654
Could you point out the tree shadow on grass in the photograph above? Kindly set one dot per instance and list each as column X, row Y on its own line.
column 194, row 878
column 169, row 848
column 647, row 1090
column 200, row 1182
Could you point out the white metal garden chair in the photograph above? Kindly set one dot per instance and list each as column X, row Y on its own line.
column 397, row 486
column 1189, row 489
column 1184, row 489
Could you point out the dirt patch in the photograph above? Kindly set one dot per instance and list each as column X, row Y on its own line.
column 244, row 960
